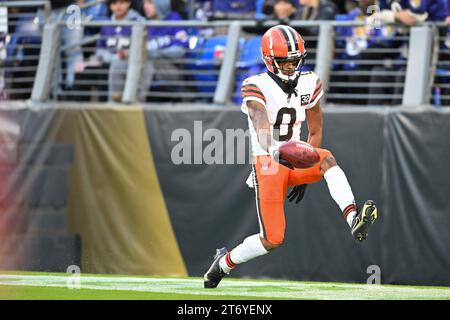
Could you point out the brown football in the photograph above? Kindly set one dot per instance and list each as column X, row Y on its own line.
column 301, row 154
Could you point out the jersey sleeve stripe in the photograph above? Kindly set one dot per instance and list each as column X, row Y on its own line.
column 314, row 98
column 250, row 87
column 316, row 93
column 317, row 90
column 253, row 94
column 252, row 91
column 318, row 84
column 251, row 98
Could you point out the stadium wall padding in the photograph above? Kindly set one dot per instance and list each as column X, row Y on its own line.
column 137, row 212
column 115, row 202
column 396, row 157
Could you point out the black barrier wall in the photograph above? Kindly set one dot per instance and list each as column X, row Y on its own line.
column 397, row 157
column 162, row 208
column 34, row 180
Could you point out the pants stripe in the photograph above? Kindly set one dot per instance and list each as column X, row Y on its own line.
column 258, row 207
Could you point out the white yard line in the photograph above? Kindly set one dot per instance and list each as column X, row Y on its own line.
column 244, row 288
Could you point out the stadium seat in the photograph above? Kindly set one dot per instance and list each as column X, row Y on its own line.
column 210, row 59
column 249, row 63
column 250, row 53
column 211, row 47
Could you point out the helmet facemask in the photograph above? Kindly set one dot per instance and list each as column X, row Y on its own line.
column 299, row 60
column 281, row 44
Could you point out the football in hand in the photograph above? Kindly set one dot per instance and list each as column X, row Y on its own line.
column 301, row 154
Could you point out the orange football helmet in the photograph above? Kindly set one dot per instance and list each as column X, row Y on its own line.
column 279, row 44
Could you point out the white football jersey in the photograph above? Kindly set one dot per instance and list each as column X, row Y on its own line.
column 285, row 115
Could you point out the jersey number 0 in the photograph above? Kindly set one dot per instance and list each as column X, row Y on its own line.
column 279, row 122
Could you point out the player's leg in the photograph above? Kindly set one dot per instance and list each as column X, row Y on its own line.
column 340, row 191
column 342, row 194
column 337, row 182
column 270, row 190
column 338, row 186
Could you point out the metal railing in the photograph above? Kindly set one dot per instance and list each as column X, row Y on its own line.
column 369, row 69
column 218, row 55
column 64, row 13
column 440, row 87
column 190, row 75
column 20, row 46
column 194, row 76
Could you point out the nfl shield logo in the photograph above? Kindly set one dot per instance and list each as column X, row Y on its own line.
column 304, row 99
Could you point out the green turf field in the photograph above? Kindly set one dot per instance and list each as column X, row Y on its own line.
column 26, row 285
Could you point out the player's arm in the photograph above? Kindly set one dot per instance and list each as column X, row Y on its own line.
column 409, row 18
column 260, row 120
column 398, row 14
column 315, row 122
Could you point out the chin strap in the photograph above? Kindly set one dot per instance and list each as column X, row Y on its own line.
column 288, row 86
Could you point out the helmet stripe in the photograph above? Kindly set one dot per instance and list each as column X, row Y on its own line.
column 286, row 37
column 271, row 45
column 294, row 36
column 290, row 37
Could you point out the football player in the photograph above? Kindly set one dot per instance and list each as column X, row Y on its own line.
column 277, row 103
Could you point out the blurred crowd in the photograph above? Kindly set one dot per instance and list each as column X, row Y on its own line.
column 288, row 9
column 103, row 62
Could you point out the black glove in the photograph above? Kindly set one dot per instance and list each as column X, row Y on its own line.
column 278, row 158
column 285, row 163
column 297, row 192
